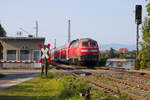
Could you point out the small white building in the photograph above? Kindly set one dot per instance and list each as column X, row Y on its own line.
column 125, row 63
column 24, row 49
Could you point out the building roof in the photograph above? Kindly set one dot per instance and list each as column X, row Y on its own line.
column 22, row 38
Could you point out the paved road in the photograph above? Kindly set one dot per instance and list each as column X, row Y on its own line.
column 14, row 77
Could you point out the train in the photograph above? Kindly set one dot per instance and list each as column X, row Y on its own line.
column 79, row 52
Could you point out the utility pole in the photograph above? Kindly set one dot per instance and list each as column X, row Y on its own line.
column 36, row 27
column 54, row 43
column 69, row 33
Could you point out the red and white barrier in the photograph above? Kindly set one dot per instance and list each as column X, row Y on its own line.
column 21, row 61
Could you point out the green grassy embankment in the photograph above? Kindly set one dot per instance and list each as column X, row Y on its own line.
column 58, row 86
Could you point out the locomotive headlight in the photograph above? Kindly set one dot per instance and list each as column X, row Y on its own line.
column 93, row 50
column 84, row 50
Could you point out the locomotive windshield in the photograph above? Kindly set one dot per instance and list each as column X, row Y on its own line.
column 84, row 44
column 89, row 43
column 92, row 44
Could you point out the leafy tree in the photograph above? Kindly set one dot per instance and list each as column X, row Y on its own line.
column 130, row 55
column 2, row 34
column 148, row 8
column 144, row 55
column 111, row 53
column 2, row 31
column 103, row 56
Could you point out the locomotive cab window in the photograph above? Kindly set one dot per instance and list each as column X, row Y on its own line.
column 92, row 44
column 84, row 44
column 75, row 44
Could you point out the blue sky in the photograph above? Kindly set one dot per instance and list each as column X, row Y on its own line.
column 107, row 21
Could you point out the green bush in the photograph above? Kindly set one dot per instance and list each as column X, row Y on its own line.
column 50, row 67
column 56, row 75
column 67, row 80
column 82, row 87
column 66, row 93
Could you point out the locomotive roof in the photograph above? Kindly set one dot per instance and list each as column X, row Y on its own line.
column 70, row 43
column 86, row 39
column 81, row 40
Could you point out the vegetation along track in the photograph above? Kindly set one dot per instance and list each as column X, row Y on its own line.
column 135, row 88
column 141, row 86
column 116, row 85
column 131, row 78
column 130, row 87
column 110, row 88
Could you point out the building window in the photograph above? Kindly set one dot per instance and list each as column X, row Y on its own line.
column 36, row 54
column 24, row 54
column 11, row 54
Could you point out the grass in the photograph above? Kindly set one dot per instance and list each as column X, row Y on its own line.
column 37, row 89
column 58, row 86
column 118, row 77
column 51, row 67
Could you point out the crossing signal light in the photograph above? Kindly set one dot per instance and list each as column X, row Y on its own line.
column 138, row 14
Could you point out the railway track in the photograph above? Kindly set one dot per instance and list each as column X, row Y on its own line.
column 63, row 66
column 139, row 79
column 141, row 86
column 73, row 67
column 109, row 87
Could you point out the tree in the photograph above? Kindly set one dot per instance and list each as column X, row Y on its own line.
column 111, row 53
column 103, row 56
column 2, row 34
column 144, row 55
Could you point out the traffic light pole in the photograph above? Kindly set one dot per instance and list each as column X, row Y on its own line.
column 138, row 19
column 137, row 39
column 137, row 47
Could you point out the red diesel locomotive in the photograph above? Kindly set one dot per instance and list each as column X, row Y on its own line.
column 84, row 51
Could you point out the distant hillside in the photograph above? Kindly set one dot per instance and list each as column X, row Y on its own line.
column 117, row 46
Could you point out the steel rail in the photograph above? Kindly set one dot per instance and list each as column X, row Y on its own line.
column 110, row 88
column 144, row 87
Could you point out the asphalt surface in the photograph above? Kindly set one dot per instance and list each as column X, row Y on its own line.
column 14, row 77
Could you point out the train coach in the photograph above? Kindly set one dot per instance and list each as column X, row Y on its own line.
column 84, row 52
